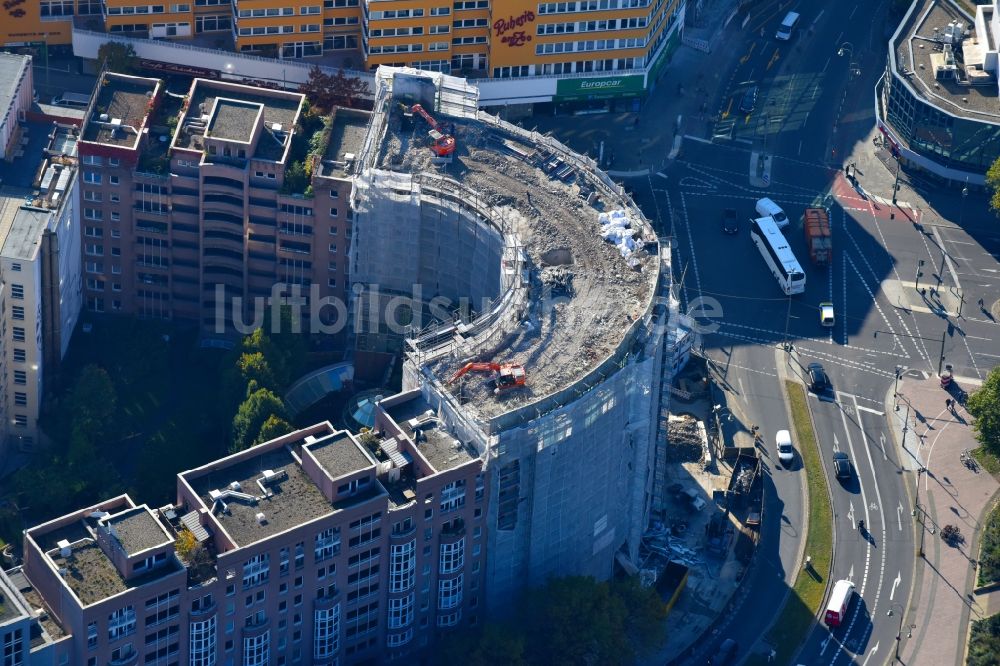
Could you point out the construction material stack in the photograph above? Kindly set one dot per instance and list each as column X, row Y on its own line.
column 816, row 223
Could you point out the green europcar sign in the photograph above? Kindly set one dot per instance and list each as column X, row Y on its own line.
column 612, row 86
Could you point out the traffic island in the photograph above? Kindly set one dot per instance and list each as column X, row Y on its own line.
column 806, row 597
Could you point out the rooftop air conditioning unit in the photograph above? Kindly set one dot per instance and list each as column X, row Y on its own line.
column 277, row 127
column 269, row 474
column 64, row 548
column 261, row 518
column 235, row 485
column 116, row 122
column 104, row 117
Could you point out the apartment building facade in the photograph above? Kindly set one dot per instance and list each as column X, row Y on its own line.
column 40, row 285
column 319, row 547
column 197, row 203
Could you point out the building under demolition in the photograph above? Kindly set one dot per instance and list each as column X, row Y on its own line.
column 535, row 269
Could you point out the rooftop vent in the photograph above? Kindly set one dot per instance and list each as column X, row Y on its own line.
column 116, row 122
column 235, row 485
column 104, row 117
column 64, row 548
column 277, row 127
column 261, row 518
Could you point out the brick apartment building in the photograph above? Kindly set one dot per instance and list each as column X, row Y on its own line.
column 189, row 195
column 322, row 547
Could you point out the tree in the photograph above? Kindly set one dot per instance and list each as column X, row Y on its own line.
column 251, row 416
column 493, row 645
column 118, row 57
column 993, row 185
column 645, row 610
column 254, row 367
column 984, row 405
column 273, row 427
column 325, row 91
column 185, row 543
column 93, row 404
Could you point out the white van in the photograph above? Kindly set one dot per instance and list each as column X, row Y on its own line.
column 840, row 600
column 71, row 99
column 787, row 26
column 767, row 208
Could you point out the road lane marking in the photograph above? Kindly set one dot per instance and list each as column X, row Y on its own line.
column 899, row 523
column 870, row 654
column 853, row 11
column 899, row 577
column 871, row 411
column 881, row 440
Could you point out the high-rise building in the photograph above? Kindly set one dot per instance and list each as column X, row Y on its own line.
column 195, row 198
column 320, row 547
column 40, row 289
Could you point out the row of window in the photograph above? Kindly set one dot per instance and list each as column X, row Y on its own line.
column 590, row 45
column 589, row 6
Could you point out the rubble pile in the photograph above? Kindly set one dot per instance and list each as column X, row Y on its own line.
column 683, row 439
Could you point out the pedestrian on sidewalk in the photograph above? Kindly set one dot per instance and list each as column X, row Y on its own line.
column 949, row 404
column 982, row 306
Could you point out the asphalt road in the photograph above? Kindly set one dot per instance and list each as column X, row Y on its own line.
column 807, row 88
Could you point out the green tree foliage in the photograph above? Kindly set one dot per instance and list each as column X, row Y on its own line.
column 273, row 427
column 984, row 642
column 254, row 367
column 326, row 91
column 118, row 57
column 984, row 405
column 570, row 621
column 993, row 185
column 93, row 404
column 251, row 416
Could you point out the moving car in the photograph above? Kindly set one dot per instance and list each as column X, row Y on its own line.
column 818, row 381
column 826, row 317
column 730, row 221
column 842, row 465
column 726, row 653
column 749, row 101
column 767, row 208
column 840, row 600
column 783, row 442
column 787, row 26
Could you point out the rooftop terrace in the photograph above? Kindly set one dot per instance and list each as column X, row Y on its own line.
column 137, row 530
column 295, row 499
column 125, row 100
column 551, row 200
column 89, row 572
column 346, row 137
column 339, row 455
column 276, row 108
column 416, row 419
column 921, row 40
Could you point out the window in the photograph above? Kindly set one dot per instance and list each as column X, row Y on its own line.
column 121, row 623
column 327, row 544
column 115, row 217
column 453, row 496
column 18, row 333
column 257, row 650
column 326, row 632
column 449, row 592
column 21, row 420
column 17, row 291
column 401, row 612
column 114, row 181
column 20, row 377
column 452, row 556
column 17, row 312
column 402, row 566
column 113, row 161
column 20, row 399
column 91, row 195
column 92, row 177
column 15, row 267
column 255, row 570
column 333, row 212
column 20, row 356
column 92, row 636
column 202, row 641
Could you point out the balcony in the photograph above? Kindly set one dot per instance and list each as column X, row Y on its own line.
column 455, row 529
column 125, row 660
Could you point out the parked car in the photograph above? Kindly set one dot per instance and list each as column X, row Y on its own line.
column 749, row 101
column 842, row 465
column 783, row 442
column 819, row 382
column 726, row 653
column 730, row 221
column 826, row 316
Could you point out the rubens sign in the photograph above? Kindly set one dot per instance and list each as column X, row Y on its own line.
column 505, row 29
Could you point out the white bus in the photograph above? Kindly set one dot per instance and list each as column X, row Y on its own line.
column 778, row 255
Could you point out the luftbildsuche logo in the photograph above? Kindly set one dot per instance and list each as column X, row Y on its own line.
column 614, row 83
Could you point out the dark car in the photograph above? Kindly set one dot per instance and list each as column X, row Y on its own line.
column 749, row 100
column 730, row 221
column 726, row 653
column 818, row 380
column 842, row 465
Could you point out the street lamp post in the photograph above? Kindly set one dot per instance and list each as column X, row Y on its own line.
column 916, row 280
column 965, row 193
column 895, row 389
column 895, row 184
column 899, row 632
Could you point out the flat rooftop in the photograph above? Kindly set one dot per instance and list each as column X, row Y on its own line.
column 275, row 107
column 89, row 572
column 918, row 40
column 137, row 530
column 12, row 69
column 49, row 623
column 125, row 100
column 346, row 137
column 295, row 499
column 440, row 448
column 545, row 199
column 339, row 455
column 234, row 120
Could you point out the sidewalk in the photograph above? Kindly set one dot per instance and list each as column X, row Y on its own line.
column 948, row 493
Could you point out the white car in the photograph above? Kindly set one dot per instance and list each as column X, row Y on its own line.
column 826, row 317
column 767, row 208
column 783, row 442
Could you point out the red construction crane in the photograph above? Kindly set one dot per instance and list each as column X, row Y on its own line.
column 444, row 144
column 507, row 376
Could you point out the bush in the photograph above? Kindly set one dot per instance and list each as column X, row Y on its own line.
column 984, row 642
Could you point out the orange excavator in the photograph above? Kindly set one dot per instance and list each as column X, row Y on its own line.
column 444, row 144
column 507, row 375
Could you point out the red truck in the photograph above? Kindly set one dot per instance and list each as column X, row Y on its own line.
column 816, row 223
